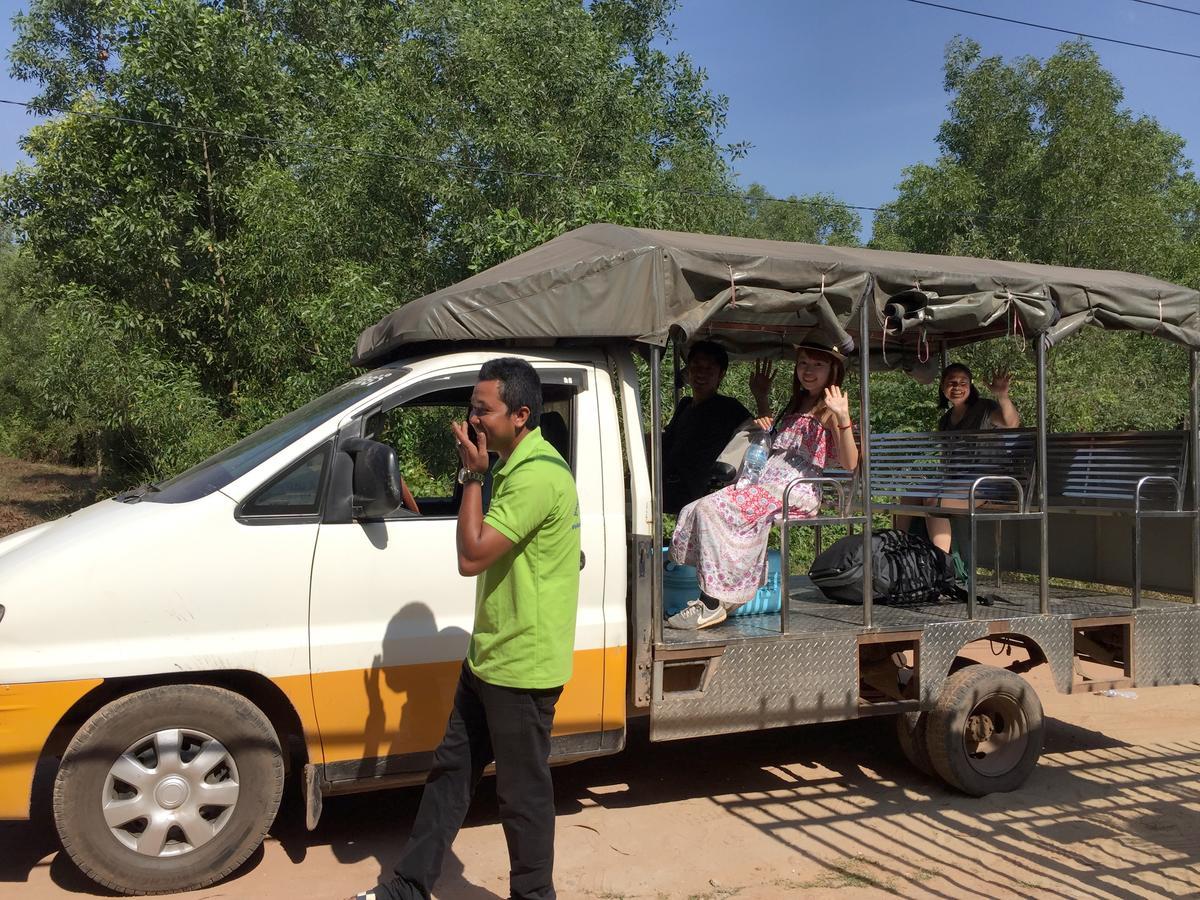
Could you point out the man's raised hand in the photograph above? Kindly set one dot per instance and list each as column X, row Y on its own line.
column 760, row 380
column 472, row 455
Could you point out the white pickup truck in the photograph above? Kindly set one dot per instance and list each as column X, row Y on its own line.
column 174, row 653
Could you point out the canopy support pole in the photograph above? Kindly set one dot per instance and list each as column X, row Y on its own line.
column 864, row 450
column 1044, row 521
column 676, row 369
column 656, row 495
column 1194, row 422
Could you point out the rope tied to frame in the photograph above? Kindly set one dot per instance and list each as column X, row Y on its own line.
column 732, row 287
column 1015, row 325
column 923, row 339
column 1160, row 324
column 821, row 295
column 883, row 337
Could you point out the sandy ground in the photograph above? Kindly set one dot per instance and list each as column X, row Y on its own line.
column 1112, row 811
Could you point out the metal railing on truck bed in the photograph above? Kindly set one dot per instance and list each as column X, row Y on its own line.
column 1139, row 474
column 985, row 475
column 990, row 477
column 977, row 475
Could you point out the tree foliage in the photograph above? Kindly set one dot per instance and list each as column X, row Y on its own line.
column 226, row 194
column 309, row 167
column 1041, row 162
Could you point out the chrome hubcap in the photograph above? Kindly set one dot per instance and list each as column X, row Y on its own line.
column 170, row 792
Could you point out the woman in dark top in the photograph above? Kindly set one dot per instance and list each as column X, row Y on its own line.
column 967, row 411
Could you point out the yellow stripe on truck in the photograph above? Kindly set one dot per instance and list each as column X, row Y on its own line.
column 298, row 690
column 394, row 710
column 28, row 713
column 350, row 715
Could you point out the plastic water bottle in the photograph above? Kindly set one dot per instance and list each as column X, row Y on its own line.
column 755, row 459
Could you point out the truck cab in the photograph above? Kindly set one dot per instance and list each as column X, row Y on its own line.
column 270, row 610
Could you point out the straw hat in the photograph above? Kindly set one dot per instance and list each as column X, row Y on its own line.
column 820, row 345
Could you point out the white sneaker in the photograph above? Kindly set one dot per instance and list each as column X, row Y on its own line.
column 695, row 616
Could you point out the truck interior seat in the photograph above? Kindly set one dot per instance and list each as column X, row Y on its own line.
column 554, row 429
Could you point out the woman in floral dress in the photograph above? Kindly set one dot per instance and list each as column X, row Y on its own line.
column 724, row 535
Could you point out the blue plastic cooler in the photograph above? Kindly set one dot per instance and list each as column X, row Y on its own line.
column 680, row 586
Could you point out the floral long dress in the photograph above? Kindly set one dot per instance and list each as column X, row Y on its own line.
column 724, row 535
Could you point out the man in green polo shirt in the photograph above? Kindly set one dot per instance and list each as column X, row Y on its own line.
column 526, row 554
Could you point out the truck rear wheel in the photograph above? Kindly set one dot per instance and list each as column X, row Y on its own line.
column 168, row 789
column 910, row 734
column 985, row 734
column 911, row 727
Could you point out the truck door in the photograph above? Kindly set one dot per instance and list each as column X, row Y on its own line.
column 390, row 617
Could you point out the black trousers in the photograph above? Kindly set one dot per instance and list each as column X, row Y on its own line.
column 489, row 723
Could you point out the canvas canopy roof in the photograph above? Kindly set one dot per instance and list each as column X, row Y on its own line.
column 606, row 281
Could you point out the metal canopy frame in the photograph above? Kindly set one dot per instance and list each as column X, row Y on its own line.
column 656, row 493
column 1194, row 421
column 865, row 518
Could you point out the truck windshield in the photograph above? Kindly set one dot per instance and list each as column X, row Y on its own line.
column 234, row 461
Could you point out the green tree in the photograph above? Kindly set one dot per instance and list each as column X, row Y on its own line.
column 1041, row 162
column 816, row 219
column 310, row 167
column 22, row 334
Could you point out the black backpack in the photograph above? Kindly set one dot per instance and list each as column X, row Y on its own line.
column 907, row 569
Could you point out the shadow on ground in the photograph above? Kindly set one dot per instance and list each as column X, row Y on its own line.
column 1099, row 818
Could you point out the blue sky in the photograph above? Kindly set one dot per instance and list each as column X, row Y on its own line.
column 837, row 96
column 840, row 95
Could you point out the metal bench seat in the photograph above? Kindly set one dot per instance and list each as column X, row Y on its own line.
column 996, row 466
column 993, row 466
column 1138, row 474
column 1117, row 472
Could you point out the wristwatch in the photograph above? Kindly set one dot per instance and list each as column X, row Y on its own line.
column 465, row 475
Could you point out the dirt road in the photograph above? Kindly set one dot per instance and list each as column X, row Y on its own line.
column 1112, row 811
column 31, row 493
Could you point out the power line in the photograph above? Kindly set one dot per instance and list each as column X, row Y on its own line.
column 1179, row 9
column 531, row 174
column 1068, row 31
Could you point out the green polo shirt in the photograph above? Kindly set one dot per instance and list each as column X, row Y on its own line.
column 525, row 602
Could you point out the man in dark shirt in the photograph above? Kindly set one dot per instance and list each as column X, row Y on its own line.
column 700, row 428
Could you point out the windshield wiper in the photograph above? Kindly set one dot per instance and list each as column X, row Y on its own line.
column 133, row 495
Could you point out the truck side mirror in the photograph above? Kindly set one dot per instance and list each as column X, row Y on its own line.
column 376, row 479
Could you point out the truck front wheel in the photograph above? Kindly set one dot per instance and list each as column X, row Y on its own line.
column 985, row 734
column 168, row 789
